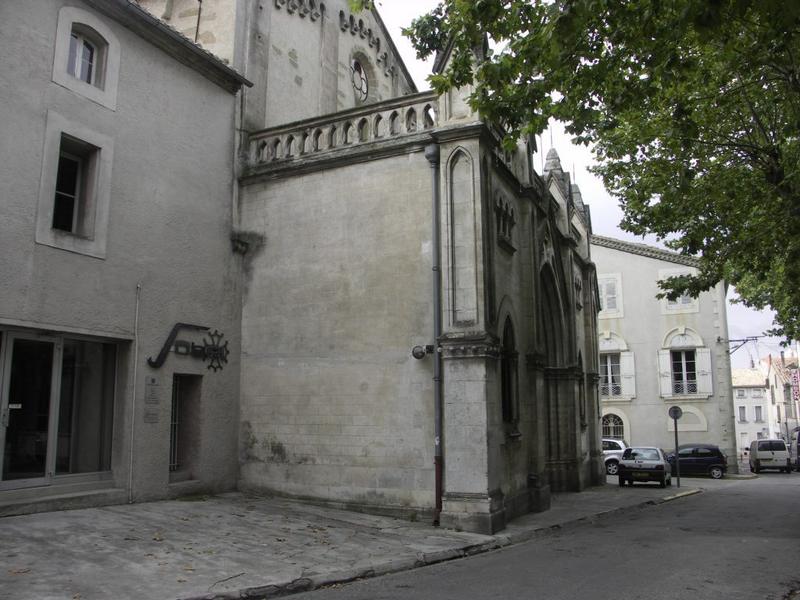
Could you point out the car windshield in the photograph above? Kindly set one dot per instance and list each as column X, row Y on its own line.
column 774, row 445
column 641, row 454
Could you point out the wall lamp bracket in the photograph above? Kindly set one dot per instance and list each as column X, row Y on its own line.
column 419, row 352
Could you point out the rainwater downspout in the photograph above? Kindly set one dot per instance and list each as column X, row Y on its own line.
column 133, row 393
column 432, row 155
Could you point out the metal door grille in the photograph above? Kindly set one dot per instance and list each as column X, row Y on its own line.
column 173, row 425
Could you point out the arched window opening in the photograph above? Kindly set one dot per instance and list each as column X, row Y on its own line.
column 508, row 374
column 411, row 120
column 378, row 126
column 363, row 130
column 347, row 133
column 429, row 117
column 613, row 427
column 289, row 146
column 315, row 140
column 276, row 150
column 359, row 79
column 332, row 137
column 394, row 124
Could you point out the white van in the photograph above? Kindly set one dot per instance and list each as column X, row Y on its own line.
column 769, row 454
column 793, row 454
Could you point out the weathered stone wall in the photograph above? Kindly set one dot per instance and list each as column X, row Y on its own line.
column 168, row 231
column 308, row 70
column 217, row 18
column 333, row 404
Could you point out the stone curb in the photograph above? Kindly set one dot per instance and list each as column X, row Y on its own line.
column 307, row 584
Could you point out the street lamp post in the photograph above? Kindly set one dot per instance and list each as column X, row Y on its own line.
column 676, row 413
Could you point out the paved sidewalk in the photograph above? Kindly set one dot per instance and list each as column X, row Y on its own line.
column 238, row 546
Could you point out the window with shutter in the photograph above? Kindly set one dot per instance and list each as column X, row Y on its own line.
column 610, row 384
column 684, row 372
column 610, row 288
column 685, row 365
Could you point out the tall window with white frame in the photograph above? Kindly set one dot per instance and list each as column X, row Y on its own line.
column 613, row 427
column 684, row 372
column 610, row 384
column 684, row 300
column 74, row 186
column 608, row 295
column 68, row 190
column 742, row 414
column 759, row 414
column 82, row 59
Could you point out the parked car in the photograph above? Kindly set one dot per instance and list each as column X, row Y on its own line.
column 769, row 454
column 700, row 459
column 644, row 464
column 612, row 452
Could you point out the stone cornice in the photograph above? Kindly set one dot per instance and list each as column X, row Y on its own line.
column 477, row 344
column 565, row 373
column 644, row 250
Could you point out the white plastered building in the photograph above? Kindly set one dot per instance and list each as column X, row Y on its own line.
column 656, row 353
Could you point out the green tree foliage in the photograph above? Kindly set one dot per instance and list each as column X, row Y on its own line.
column 692, row 107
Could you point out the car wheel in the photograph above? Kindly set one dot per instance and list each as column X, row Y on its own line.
column 716, row 472
column 612, row 467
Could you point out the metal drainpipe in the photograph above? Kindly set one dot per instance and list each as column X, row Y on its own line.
column 133, row 391
column 432, row 155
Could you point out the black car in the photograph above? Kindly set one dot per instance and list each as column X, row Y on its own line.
column 700, row 459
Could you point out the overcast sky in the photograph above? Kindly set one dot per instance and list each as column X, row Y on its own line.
column 606, row 214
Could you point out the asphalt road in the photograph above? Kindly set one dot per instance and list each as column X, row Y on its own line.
column 739, row 539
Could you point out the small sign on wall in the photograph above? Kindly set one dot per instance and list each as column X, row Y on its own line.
column 152, row 395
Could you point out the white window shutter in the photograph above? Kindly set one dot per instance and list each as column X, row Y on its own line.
column 704, row 379
column 665, row 373
column 611, row 295
column 627, row 374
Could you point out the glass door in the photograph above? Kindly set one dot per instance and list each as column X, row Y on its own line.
column 28, row 400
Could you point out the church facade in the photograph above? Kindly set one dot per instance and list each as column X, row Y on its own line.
column 409, row 310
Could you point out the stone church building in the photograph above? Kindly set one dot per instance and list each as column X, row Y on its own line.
column 270, row 264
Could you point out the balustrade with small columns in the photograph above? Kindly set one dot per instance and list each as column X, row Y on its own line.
column 396, row 118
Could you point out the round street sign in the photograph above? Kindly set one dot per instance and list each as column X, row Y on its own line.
column 675, row 412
